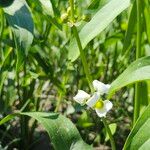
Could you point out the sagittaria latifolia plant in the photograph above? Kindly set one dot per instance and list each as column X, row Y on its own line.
column 55, row 57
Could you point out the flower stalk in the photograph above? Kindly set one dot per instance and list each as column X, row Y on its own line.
column 86, row 69
column 109, row 133
column 82, row 55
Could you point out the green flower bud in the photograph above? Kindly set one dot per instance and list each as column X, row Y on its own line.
column 68, row 10
column 64, row 17
column 124, row 26
column 86, row 17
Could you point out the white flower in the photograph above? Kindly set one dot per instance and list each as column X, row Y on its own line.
column 101, row 107
column 101, row 87
column 81, row 97
column 92, row 101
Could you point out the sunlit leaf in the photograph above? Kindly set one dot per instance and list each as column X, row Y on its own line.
column 47, row 7
column 139, row 138
column 136, row 72
column 97, row 24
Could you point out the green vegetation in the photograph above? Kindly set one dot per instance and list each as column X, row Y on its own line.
column 74, row 75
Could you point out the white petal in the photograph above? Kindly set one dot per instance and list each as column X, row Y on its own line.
column 101, row 112
column 81, row 96
column 101, row 87
column 92, row 101
column 108, row 105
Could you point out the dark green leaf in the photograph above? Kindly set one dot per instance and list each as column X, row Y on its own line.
column 130, row 29
column 63, row 134
column 20, row 20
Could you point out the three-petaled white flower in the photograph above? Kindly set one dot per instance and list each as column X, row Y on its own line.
column 95, row 101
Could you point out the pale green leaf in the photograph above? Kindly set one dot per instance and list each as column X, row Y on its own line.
column 138, row 71
column 97, row 24
column 139, row 138
column 47, row 7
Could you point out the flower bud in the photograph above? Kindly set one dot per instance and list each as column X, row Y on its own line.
column 86, row 17
column 68, row 10
column 64, row 17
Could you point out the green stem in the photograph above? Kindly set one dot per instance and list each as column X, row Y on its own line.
column 138, row 55
column 86, row 70
column 109, row 133
column 72, row 10
column 83, row 58
column 58, row 102
column 82, row 55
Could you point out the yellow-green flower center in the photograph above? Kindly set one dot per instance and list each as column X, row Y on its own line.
column 99, row 104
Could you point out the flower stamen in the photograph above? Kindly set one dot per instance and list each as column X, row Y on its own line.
column 99, row 104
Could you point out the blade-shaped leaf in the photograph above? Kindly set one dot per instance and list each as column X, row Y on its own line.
column 130, row 29
column 7, row 118
column 47, row 7
column 20, row 20
column 49, row 12
column 139, row 137
column 63, row 134
column 139, row 70
column 97, row 24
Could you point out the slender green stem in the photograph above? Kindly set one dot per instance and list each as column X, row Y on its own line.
column 83, row 58
column 82, row 55
column 110, row 134
column 58, row 102
column 138, row 55
column 86, row 70
column 72, row 10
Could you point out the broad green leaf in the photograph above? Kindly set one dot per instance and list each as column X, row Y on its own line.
column 20, row 21
column 139, row 138
column 146, row 145
column 138, row 71
column 63, row 134
column 97, row 24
